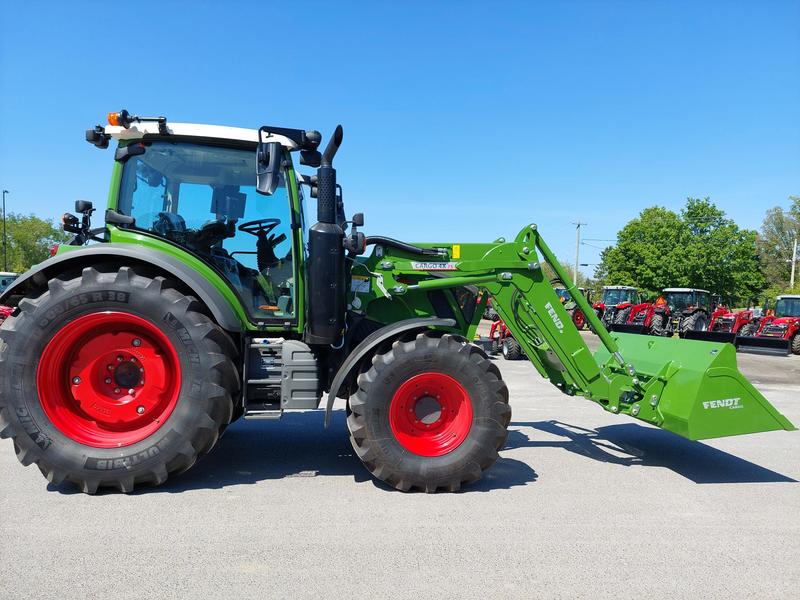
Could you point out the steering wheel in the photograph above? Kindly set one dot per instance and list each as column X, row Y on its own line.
column 259, row 227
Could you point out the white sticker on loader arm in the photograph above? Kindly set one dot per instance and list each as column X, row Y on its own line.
column 434, row 266
column 556, row 321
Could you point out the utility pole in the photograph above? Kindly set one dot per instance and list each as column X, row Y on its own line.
column 5, row 251
column 794, row 262
column 577, row 250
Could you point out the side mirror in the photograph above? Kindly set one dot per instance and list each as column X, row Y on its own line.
column 268, row 166
column 83, row 206
column 358, row 219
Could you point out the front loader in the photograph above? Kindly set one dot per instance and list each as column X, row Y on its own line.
column 205, row 298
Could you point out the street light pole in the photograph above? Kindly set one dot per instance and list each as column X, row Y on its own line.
column 577, row 250
column 794, row 262
column 5, row 251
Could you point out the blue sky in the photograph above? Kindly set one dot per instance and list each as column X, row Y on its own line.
column 463, row 121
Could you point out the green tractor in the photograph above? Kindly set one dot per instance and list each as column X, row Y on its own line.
column 206, row 297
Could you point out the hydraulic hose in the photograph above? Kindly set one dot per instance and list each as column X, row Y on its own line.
column 416, row 250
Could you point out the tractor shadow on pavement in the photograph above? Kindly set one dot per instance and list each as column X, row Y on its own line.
column 299, row 446
column 629, row 444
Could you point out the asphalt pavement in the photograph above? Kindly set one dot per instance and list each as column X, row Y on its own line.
column 582, row 504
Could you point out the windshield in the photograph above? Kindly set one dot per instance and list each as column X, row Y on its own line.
column 787, row 307
column 203, row 198
column 611, row 297
column 564, row 295
column 678, row 300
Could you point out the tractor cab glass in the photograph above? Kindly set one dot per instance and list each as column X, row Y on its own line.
column 618, row 296
column 563, row 295
column 204, row 199
column 787, row 307
column 679, row 300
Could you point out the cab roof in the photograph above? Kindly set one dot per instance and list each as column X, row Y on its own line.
column 788, row 296
column 618, row 287
column 685, row 290
column 136, row 131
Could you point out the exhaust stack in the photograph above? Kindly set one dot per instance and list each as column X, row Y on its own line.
column 326, row 272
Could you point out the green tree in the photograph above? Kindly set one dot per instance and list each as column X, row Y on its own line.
column 778, row 232
column 699, row 248
column 29, row 240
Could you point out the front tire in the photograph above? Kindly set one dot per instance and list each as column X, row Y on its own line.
column 697, row 321
column 511, row 349
column 429, row 414
column 795, row 345
column 113, row 379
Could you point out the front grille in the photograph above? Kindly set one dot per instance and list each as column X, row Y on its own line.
column 774, row 330
column 725, row 325
column 639, row 318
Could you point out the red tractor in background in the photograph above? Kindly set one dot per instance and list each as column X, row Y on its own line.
column 578, row 318
column 650, row 318
column 502, row 342
column 615, row 304
column 689, row 308
column 777, row 331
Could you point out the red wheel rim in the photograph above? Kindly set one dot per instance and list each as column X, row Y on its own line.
column 108, row 379
column 430, row 414
column 579, row 319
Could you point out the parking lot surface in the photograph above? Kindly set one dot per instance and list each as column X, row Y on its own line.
column 582, row 504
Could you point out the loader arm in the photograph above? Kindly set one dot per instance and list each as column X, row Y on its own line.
column 689, row 387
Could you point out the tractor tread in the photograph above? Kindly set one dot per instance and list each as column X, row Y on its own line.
column 215, row 409
column 377, row 448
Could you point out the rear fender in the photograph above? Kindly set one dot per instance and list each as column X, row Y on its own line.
column 126, row 254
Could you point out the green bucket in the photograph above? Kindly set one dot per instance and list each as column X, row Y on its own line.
column 694, row 388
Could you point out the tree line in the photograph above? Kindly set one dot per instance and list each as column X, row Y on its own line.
column 28, row 241
column 700, row 247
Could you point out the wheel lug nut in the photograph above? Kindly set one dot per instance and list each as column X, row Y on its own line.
column 133, row 359
column 140, row 410
column 116, row 390
column 108, row 379
column 141, row 369
column 76, row 380
column 131, row 391
column 110, row 367
column 137, row 342
column 141, row 382
column 120, row 359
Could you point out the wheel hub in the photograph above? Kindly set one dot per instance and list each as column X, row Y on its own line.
column 430, row 414
column 108, row 379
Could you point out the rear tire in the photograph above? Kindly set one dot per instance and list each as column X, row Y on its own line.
column 81, row 428
column 511, row 349
column 409, row 450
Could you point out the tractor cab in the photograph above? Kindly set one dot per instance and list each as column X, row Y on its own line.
column 228, row 196
column 681, row 299
column 614, row 299
column 787, row 307
column 202, row 197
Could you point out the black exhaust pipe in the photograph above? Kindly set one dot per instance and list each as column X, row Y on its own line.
column 326, row 271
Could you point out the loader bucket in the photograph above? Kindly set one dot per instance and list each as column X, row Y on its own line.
column 703, row 395
column 628, row 328
column 763, row 345
column 711, row 336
